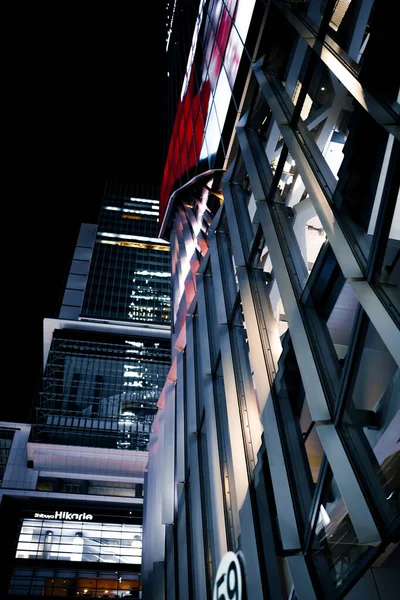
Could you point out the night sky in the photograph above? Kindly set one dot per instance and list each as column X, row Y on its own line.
column 84, row 97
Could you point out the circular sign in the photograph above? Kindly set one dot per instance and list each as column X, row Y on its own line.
column 228, row 580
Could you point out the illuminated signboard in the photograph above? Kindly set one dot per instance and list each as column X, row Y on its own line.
column 75, row 537
column 65, row 515
column 229, row 580
column 213, row 63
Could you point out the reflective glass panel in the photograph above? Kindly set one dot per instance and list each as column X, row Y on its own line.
column 376, row 393
column 335, row 546
column 389, row 277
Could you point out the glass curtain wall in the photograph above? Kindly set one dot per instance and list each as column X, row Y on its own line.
column 99, row 391
column 289, row 267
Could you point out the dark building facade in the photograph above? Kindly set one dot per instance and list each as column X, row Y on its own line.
column 274, row 459
column 100, row 386
column 71, row 495
column 129, row 279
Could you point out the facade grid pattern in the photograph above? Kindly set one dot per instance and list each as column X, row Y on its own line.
column 100, row 392
column 129, row 277
column 281, row 408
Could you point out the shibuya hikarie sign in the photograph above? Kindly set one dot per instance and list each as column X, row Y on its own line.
column 65, row 516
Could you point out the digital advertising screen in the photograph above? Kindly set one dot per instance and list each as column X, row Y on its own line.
column 217, row 48
column 80, row 540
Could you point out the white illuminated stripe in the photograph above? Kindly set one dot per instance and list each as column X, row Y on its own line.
column 170, row 26
column 139, row 297
column 144, row 201
column 133, row 374
column 133, row 237
column 244, row 12
column 131, row 210
column 153, row 273
column 141, row 212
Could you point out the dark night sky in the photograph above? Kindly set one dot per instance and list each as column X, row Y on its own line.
column 84, row 97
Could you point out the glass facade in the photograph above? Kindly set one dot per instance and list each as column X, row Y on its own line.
column 101, row 391
column 281, row 209
column 6, row 438
column 90, row 486
column 129, row 277
column 68, row 582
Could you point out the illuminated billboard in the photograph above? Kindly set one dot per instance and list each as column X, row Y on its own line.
column 75, row 537
column 216, row 51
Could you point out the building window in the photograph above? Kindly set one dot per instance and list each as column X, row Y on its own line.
column 6, row 438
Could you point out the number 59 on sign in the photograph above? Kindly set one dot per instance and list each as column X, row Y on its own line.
column 228, row 581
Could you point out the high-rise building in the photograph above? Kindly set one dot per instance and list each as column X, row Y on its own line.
column 71, row 496
column 127, row 279
column 274, row 459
